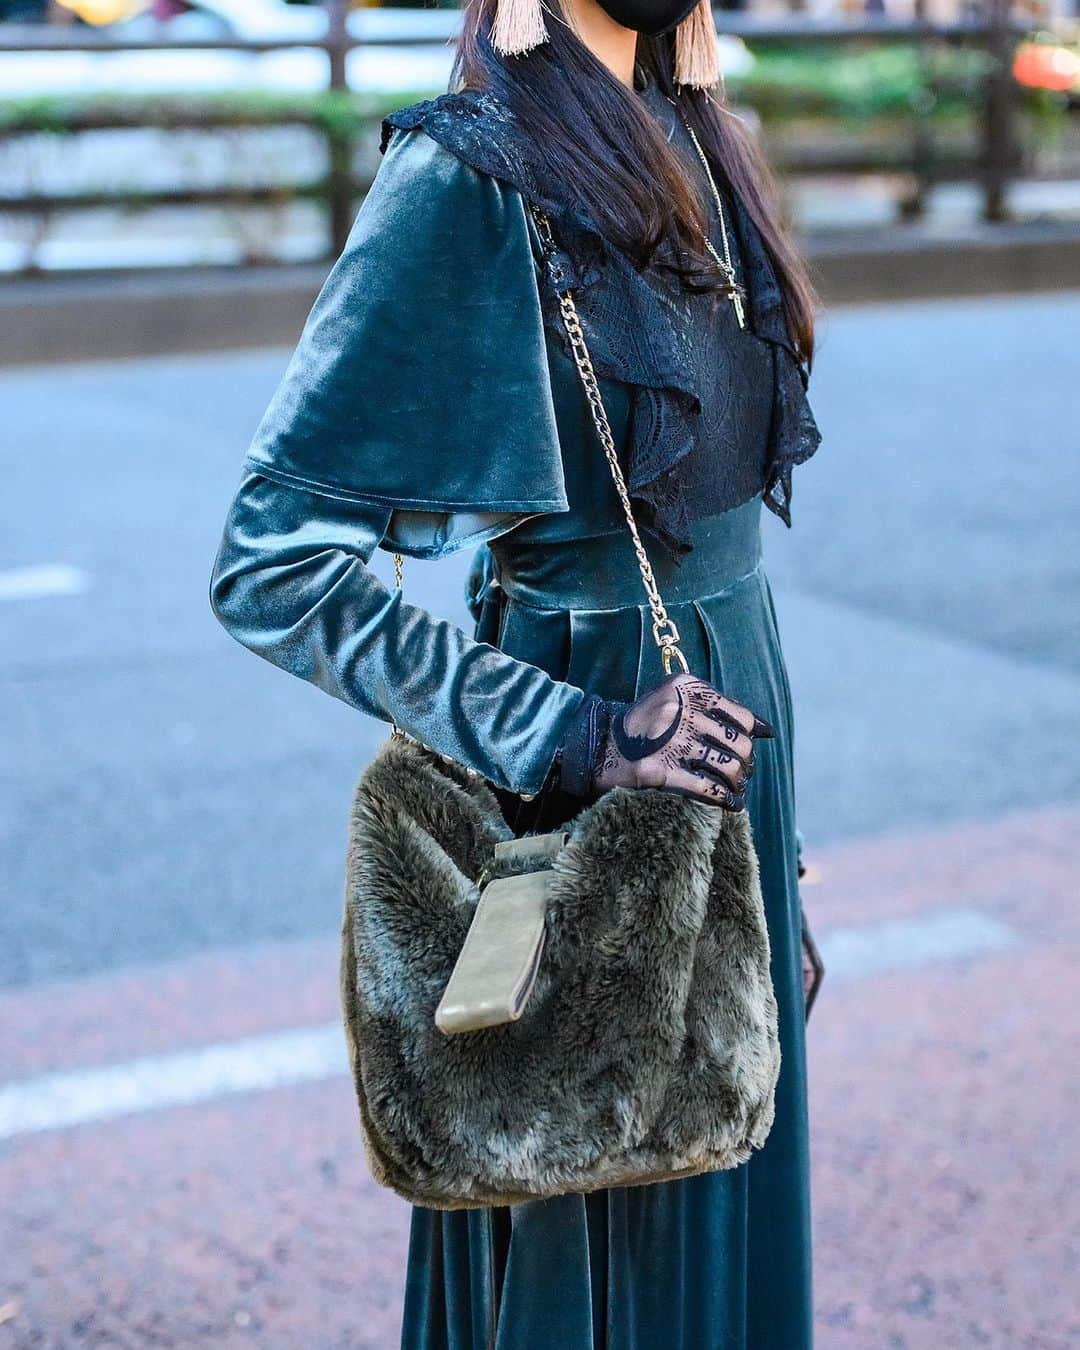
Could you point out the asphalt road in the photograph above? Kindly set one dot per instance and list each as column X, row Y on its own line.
column 163, row 793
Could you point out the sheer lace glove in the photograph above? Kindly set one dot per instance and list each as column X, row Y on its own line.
column 684, row 736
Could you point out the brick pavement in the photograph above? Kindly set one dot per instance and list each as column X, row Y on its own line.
column 943, row 1103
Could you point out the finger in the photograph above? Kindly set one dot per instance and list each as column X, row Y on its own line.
column 706, row 698
column 725, row 736
column 712, row 701
column 746, row 721
column 721, row 760
column 705, row 787
column 722, row 736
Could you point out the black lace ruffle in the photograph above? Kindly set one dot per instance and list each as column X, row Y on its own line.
column 646, row 331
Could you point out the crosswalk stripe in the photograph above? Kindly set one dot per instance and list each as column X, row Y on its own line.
column 35, row 583
column 252, row 1064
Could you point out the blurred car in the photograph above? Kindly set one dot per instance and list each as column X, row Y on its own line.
column 102, row 13
column 218, row 20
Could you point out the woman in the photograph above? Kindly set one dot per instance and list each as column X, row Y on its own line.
column 433, row 404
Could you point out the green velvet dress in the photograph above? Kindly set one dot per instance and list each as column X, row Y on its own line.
column 430, row 405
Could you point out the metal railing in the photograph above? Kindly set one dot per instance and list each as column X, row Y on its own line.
column 994, row 162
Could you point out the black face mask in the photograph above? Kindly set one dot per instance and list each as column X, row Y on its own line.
column 651, row 17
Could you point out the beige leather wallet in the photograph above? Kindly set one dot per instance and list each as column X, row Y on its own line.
column 496, row 968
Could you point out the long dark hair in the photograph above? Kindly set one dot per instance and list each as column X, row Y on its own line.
column 609, row 152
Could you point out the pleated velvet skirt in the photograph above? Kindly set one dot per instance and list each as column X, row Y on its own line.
column 720, row 1261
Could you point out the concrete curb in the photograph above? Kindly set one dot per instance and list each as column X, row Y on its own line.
column 152, row 314
column 923, row 263
column 108, row 316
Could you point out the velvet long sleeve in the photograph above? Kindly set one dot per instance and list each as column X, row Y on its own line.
column 416, row 413
column 291, row 583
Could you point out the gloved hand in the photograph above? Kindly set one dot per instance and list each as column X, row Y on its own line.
column 684, row 736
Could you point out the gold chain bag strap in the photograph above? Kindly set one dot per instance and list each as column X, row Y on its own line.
column 665, row 634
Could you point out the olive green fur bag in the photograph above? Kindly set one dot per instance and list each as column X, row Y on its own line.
column 647, row 1048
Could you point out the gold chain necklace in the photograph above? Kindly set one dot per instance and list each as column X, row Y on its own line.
column 724, row 263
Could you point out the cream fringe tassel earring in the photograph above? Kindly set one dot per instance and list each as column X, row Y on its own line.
column 519, row 27
column 697, row 61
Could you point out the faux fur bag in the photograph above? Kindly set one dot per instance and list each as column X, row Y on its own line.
column 648, row 1048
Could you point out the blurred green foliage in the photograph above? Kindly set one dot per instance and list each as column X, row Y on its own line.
column 848, row 84
column 328, row 110
column 857, row 83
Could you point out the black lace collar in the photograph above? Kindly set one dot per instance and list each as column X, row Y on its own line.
column 639, row 332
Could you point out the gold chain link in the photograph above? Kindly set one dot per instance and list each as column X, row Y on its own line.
column 665, row 633
column 396, row 733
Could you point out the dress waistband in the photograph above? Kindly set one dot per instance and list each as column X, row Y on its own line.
column 601, row 572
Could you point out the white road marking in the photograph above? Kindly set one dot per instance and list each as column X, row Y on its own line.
column 281, row 1059
column 901, row 944
column 34, row 583
column 253, row 1064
